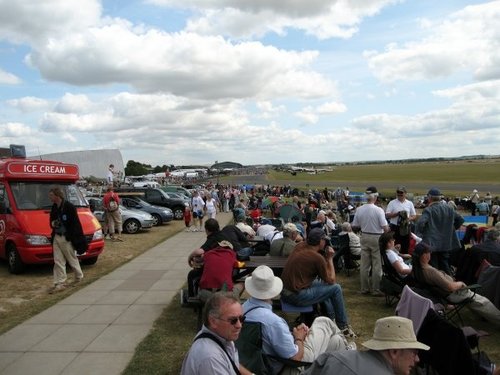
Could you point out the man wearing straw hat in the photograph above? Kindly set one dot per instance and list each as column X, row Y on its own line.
column 393, row 349
column 303, row 343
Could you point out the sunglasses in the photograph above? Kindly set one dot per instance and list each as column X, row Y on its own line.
column 234, row 319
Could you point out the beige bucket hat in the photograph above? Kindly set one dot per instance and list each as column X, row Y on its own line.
column 394, row 332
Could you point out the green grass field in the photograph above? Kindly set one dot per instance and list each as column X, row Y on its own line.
column 459, row 175
column 481, row 171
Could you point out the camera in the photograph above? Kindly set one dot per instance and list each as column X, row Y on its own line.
column 324, row 250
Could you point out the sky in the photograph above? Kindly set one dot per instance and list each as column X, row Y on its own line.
column 251, row 81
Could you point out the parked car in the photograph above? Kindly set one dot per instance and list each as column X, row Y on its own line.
column 158, row 197
column 178, row 195
column 176, row 189
column 161, row 215
column 133, row 220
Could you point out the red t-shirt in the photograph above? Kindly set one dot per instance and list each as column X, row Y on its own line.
column 107, row 198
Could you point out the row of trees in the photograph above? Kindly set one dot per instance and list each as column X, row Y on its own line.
column 134, row 168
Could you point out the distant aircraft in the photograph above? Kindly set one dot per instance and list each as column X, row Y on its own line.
column 293, row 168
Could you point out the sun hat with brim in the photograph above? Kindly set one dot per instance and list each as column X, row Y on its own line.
column 263, row 284
column 394, row 332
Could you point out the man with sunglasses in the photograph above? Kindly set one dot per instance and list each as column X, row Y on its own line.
column 213, row 351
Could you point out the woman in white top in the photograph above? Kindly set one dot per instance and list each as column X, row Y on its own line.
column 396, row 259
column 210, row 207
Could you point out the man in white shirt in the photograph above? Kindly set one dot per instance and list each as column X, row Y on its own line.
column 372, row 222
column 401, row 212
column 198, row 207
column 110, row 175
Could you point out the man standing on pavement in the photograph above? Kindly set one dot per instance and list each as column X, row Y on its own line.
column 370, row 219
column 437, row 227
column 213, row 351
column 401, row 213
column 67, row 237
column 199, row 208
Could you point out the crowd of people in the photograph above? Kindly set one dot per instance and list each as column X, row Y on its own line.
column 421, row 249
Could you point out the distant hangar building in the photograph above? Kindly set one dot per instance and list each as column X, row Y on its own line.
column 91, row 162
column 226, row 165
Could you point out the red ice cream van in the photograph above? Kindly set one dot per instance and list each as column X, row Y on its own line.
column 25, row 208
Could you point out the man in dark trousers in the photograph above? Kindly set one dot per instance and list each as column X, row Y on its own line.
column 67, row 238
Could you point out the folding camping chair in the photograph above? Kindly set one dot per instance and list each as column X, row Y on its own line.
column 392, row 283
column 343, row 259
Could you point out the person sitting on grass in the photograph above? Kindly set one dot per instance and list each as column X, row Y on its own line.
column 393, row 349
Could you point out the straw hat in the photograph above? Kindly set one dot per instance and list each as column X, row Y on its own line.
column 263, row 284
column 394, row 332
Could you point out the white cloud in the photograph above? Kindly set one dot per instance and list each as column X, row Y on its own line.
column 480, row 90
column 307, row 115
column 71, row 103
column 184, row 64
column 7, row 78
column 15, row 129
column 29, row 104
column 331, row 108
column 465, row 41
column 245, row 19
column 268, row 110
column 30, row 21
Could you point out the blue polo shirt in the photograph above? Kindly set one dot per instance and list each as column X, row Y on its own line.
column 277, row 340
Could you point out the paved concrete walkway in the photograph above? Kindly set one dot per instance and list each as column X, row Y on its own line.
column 96, row 329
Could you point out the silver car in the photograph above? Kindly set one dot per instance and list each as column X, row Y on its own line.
column 132, row 220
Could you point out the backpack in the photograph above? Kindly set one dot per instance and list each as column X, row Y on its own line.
column 113, row 204
column 249, row 344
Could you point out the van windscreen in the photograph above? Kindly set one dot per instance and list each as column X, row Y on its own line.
column 30, row 195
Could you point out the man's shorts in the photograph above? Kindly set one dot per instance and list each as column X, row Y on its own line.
column 198, row 214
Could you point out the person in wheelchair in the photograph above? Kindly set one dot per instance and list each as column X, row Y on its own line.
column 400, row 262
column 455, row 291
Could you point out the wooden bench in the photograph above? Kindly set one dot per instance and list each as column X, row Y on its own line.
column 193, row 303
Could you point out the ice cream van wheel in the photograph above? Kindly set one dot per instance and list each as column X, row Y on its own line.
column 14, row 262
